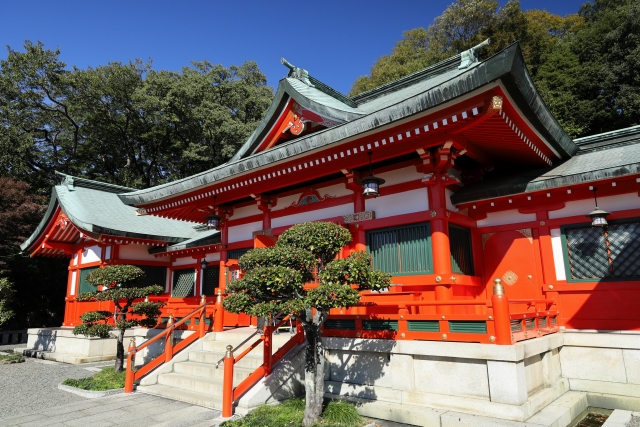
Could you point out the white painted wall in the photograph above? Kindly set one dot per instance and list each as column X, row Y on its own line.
column 285, row 202
column 74, row 275
column 107, row 252
column 246, row 211
column 558, row 256
column 137, row 252
column 183, row 261
column 505, row 217
column 337, row 190
column 212, row 257
column 609, row 204
column 315, row 215
column 244, row 231
column 447, row 198
column 399, row 203
column 75, row 258
column 399, row 176
column 91, row 254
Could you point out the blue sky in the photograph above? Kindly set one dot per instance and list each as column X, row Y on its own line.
column 336, row 41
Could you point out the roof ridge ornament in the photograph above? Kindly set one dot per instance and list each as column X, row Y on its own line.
column 297, row 73
column 469, row 57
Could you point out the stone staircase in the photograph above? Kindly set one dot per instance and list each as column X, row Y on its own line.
column 192, row 376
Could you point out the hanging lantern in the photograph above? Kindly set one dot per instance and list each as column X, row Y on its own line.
column 598, row 216
column 371, row 184
column 203, row 264
column 214, row 221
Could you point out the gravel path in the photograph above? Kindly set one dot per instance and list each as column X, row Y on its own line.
column 26, row 387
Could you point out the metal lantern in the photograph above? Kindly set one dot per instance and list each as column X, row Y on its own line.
column 598, row 216
column 371, row 184
column 213, row 221
column 203, row 264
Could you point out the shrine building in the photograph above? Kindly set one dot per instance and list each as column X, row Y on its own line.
column 459, row 182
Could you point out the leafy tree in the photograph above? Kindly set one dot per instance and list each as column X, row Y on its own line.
column 273, row 283
column 120, row 284
column 123, row 123
column 6, row 294
column 463, row 25
column 39, row 283
column 592, row 80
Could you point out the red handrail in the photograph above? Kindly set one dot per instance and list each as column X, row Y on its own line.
column 231, row 394
column 169, row 349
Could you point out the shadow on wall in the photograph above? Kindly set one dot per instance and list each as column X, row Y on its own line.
column 46, row 341
column 355, row 366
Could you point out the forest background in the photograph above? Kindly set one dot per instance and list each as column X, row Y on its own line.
column 132, row 125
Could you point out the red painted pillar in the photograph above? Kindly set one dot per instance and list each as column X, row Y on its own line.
column 359, row 236
column 440, row 243
column 227, row 385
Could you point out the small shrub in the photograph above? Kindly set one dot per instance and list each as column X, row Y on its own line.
column 107, row 379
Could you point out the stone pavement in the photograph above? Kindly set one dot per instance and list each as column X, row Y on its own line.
column 136, row 409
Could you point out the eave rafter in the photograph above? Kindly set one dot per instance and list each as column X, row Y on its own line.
column 456, row 123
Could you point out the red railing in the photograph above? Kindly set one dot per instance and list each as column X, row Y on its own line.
column 231, row 394
column 170, row 349
column 495, row 321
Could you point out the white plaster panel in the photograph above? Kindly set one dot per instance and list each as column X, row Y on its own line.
column 316, row 215
column 609, row 204
column 558, row 256
column 451, row 376
column 246, row 211
column 75, row 258
column 212, row 257
column 107, row 253
column 589, row 363
column 73, row 282
column 137, row 252
column 91, row 254
column 505, row 217
column 183, row 261
column 337, row 190
column 533, row 372
column 399, row 176
column 286, row 201
column 399, row 203
column 244, row 231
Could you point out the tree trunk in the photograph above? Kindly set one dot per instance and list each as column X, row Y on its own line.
column 314, row 370
column 120, row 352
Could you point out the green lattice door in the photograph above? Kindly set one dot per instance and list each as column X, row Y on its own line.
column 401, row 250
column 183, row 283
column 85, row 286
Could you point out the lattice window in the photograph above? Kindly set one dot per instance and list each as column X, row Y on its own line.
column 183, row 283
column 85, row 286
column 612, row 252
column 461, row 254
column 153, row 275
column 401, row 250
column 210, row 279
column 236, row 254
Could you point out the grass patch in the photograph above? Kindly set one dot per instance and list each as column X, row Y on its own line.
column 107, row 379
column 4, row 358
column 291, row 412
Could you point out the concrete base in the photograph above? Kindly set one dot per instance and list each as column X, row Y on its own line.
column 61, row 345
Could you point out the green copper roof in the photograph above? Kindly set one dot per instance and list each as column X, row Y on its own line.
column 394, row 103
column 95, row 208
column 204, row 237
column 607, row 155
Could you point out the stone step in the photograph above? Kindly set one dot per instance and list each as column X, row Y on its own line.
column 249, row 361
column 208, row 401
column 208, row 370
column 207, row 386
